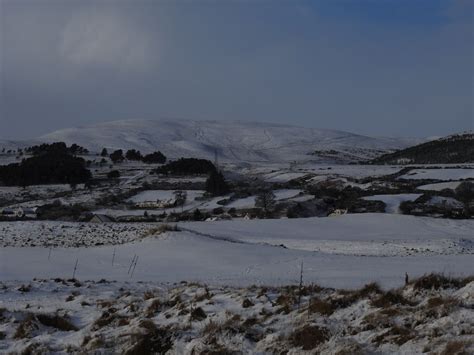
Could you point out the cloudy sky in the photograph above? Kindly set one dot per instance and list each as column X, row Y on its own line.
column 378, row 67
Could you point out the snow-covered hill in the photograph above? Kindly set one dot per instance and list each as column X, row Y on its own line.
column 233, row 141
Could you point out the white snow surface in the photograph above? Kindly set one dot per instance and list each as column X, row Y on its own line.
column 440, row 174
column 440, row 186
column 233, row 140
column 346, row 251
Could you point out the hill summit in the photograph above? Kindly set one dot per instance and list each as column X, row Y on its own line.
column 230, row 140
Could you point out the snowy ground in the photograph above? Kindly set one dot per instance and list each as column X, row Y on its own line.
column 440, row 186
column 353, row 234
column 439, row 174
column 59, row 316
column 345, row 251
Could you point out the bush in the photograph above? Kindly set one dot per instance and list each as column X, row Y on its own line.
column 187, row 166
column 117, row 156
column 133, row 154
column 156, row 157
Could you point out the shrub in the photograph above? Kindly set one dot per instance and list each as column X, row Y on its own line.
column 187, row 166
column 156, row 157
column 133, row 154
column 117, row 156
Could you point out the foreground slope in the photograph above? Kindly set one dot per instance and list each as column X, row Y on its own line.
column 433, row 314
column 234, row 141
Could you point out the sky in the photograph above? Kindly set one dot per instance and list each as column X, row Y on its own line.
column 375, row 67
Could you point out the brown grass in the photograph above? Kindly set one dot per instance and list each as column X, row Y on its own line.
column 154, row 307
column 152, row 341
column 455, row 348
column 391, row 298
column 317, row 305
column 308, row 337
column 198, row 314
column 105, row 319
column 396, row 334
column 351, row 297
column 26, row 327
column 440, row 281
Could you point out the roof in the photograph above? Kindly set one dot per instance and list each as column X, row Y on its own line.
column 101, row 218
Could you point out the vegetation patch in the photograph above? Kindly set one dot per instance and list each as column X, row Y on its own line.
column 309, row 337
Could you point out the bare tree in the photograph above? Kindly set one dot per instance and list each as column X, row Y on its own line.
column 265, row 199
column 180, row 197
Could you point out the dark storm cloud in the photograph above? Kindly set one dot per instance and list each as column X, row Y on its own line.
column 374, row 67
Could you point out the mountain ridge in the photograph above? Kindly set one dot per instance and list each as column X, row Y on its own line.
column 232, row 140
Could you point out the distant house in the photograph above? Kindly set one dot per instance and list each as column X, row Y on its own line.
column 8, row 213
column 26, row 212
column 101, row 218
column 19, row 212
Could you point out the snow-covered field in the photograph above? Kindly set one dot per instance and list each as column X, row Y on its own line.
column 440, row 186
column 440, row 174
column 345, row 251
column 352, row 234
column 60, row 316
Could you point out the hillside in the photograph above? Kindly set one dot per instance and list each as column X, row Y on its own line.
column 454, row 149
column 233, row 141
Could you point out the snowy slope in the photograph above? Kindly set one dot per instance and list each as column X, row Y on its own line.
column 234, row 141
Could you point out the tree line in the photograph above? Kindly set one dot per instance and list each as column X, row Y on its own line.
column 50, row 164
column 117, row 156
